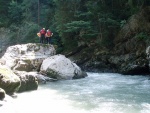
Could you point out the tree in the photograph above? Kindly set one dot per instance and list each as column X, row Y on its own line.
column 65, row 13
column 30, row 11
column 4, row 12
column 15, row 13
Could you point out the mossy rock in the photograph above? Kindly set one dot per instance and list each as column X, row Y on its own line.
column 8, row 80
column 52, row 74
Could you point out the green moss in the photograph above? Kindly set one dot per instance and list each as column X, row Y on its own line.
column 44, row 45
column 10, row 85
column 27, row 61
column 142, row 36
column 52, row 74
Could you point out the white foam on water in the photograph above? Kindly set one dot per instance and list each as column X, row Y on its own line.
column 97, row 93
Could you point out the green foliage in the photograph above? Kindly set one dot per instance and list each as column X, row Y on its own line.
column 31, row 34
column 4, row 13
column 15, row 13
column 71, row 21
column 76, row 26
column 24, row 34
column 142, row 36
column 4, row 22
column 30, row 10
column 65, row 13
column 92, row 20
column 122, row 23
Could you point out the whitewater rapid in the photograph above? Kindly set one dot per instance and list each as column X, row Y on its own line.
column 97, row 93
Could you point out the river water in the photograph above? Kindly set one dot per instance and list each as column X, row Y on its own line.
column 97, row 93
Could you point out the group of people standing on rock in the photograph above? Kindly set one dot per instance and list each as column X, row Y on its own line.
column 45, row 36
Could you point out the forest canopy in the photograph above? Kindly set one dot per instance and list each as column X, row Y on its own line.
column 75, row 21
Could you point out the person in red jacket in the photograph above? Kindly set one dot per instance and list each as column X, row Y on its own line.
column 42, row 37
column 48, row 36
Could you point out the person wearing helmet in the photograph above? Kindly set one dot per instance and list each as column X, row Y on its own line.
column 48, row 36
column 42, row 35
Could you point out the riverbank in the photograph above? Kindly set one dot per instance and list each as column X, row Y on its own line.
column 97, row 59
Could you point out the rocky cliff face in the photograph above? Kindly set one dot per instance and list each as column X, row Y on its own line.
column 128, row 55
column 131, row 44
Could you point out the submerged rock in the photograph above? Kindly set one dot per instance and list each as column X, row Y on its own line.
column 42, row 79
column 60, row 67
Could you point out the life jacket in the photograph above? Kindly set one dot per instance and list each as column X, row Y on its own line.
column 39, row 34
column 42, row 32
column 48, row 33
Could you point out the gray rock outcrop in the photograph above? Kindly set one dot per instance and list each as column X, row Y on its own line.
column 24, row 66
column 27, row 57
column 60, row 67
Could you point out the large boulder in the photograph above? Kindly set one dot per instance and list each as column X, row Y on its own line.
column 60, row 67
column 9, row 81
column 28, row 81
column 27, row 57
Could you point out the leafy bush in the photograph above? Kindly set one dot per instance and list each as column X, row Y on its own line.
column 142, row 36
column 122, row 23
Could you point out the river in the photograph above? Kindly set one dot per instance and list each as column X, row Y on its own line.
column 97, row 93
